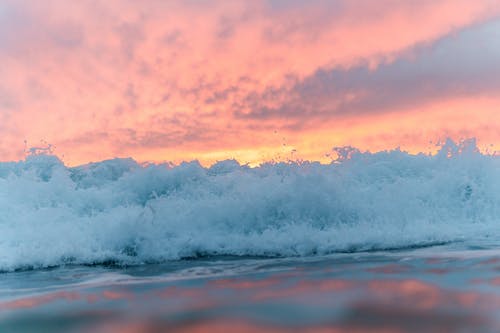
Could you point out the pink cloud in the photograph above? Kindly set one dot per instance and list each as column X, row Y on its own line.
column 161, row 77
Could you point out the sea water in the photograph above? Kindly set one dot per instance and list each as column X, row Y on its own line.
column 384, row 241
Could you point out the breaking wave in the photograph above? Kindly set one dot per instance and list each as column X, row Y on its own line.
column 123, row 212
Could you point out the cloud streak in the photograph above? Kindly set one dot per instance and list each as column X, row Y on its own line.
column 463, row 64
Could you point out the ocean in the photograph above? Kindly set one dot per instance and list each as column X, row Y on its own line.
column 377, row 242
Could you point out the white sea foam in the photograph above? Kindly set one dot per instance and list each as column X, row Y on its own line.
column 121, row 211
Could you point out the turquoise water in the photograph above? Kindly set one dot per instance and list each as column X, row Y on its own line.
column 449, row 288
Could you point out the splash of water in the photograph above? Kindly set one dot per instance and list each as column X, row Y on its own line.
column 118, row 210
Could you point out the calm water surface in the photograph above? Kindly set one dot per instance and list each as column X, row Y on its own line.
column 438, row 289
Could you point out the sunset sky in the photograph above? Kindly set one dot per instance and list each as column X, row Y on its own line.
column 251, row 80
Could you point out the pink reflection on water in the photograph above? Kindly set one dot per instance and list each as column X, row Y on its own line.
column 229, row 325
column 301, row 289
column 69, row 296
column 490, row 261
column 195, row 327
column 249, row 284
column 425, row 296
column 389, row 269
column 117, row 295
column 438, row 271
column 421, row 295
column 39, row 300
column 495, row 281
column 374, row 305
column 174, row 291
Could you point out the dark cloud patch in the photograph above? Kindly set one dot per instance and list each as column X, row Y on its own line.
column 463, row 64
column 325, row 5
column 15, row 25
column 7, row 100
column 126, row 138
column 130, row 35
column 172, row 37
column 22, row 29
column 221, row 95
column 87, row 138
column 171, row 139
column 225, row 28
column 67, row 35
column 130, row 95
column 315, row 19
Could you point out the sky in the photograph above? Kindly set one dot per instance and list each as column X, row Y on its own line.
column 251, row 80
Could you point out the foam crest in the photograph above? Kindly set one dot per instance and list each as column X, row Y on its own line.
column 120, row 211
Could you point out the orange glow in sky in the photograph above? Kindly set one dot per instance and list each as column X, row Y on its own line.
column 251, row 80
